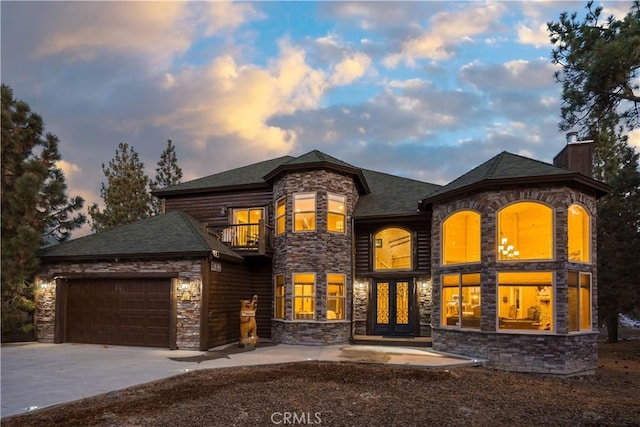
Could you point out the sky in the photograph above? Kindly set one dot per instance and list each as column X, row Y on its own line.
column 424, row 90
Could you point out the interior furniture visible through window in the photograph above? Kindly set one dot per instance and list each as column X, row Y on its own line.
column 525, row 300
column 247, row 226
column 281, row 212
column 525, row 232
column 392, row 249
column 461, row 304
column 304, row 212
column 304, row 296
column 461, row 238
column 279, row 296
column 335, row 296
column 579, row 227
column 336, row 213
column 579, row 301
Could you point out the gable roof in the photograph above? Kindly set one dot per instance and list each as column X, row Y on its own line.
column 509, row 169
column 250, row 175
column 174, row 234
column 391, row 195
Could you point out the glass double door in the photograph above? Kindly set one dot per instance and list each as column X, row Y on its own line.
column 393, row 307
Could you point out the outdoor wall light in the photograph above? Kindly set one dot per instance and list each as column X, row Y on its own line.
column 44, row 286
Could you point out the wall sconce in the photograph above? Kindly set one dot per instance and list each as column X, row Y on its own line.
column 360, row 285
column 223, row 210
column 186, row 295
column 44, row 286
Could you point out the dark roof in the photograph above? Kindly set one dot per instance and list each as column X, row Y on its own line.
column 243, row 176
column 316, row 159
column 175, row 234
column 391, row 195
column 507, row 168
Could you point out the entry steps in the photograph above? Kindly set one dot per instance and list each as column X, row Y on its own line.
column 391, row 341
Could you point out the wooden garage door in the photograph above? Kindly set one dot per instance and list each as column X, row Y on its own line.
column 119, row 311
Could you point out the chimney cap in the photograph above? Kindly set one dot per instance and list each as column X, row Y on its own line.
column 572, row 138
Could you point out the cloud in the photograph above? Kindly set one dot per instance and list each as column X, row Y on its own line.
column 510, row 75
column 535, row 34
column 221, row 17
column 350, row 69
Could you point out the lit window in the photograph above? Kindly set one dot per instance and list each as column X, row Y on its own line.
column 281, row 211
column 579, row 234
column 461, row 238
column 335, row 214
column 304, row 296
column 525, row 231
column 579, row 301
column 525, row 301
column 392, row 249
column 304, row 212
column 247, row 226
column 335, row 297
column 279, row 296
column 461, row 300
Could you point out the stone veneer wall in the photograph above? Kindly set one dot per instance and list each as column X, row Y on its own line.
column 188, row 312
column 520, row 351
column 320, row 252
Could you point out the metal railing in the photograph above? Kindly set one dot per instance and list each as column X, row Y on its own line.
column 246, row 237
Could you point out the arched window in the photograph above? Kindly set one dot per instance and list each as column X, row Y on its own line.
column 525, row 231
column 392, row 249
column 579, row 225
column 461, row 238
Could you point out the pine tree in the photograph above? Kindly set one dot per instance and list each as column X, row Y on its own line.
column 35, row 207
column 600, row 63
column 167, row 173
column 126, row 196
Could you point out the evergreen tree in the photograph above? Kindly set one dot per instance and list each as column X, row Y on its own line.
column 35, row 207
column 167, row 173
column 600, row 63
column 126, row 196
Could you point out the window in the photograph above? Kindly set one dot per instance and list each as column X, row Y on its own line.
column 525, row 231
column 579, row 226
column 579, row 301
column 281, row 211
column 525, row 301
column 392, row 249
column 336, row 213
column 461, row 238
column 335, row 297
column 461, row 300
column 247, row 226
column 304, row 296
column 304, row 212
column 279, row 296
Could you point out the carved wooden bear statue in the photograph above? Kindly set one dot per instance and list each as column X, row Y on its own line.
column 248, row 327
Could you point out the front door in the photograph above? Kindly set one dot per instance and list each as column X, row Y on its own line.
column 393, row 302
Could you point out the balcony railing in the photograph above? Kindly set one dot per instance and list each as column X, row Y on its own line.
column 256, row 238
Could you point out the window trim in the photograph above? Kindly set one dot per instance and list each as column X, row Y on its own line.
column 277, row 297
column 282, row 200
column 342, row 298
column 373, row 245
column 460, row 286
column 442, row 237
column 343, row 213
column 580, row 329
column 553, row 298
column 552, row 231
column 315, row 212
column 589, row 234
column 313, row 297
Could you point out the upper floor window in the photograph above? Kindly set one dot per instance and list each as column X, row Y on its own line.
column 279, row 296
column 579, row 301
column 304, row 296
column 247, row 226
column 525, row 231
column 336, row 213
column 304, row 212
column 392, row 249
column 579, row 226
column 525, row 300
column 461, row 238
column 281, row 219
column 335, row 297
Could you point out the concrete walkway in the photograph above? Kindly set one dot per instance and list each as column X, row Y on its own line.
column 35, row 375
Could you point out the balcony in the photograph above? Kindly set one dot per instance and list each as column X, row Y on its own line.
column 247, row 239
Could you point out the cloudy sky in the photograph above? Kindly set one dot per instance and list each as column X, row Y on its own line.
column 426, row 90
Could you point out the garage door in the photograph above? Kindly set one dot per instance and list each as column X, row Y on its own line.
column 119, row 311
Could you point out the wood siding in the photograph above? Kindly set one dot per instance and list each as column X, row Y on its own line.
column 226, row 288
column 420, row 229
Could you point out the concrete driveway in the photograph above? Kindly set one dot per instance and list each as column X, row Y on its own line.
column 35, row 375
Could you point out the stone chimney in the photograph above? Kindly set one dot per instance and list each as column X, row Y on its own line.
column 576, row 155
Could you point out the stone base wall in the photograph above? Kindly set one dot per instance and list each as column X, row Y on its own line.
column 311, row 333
column 548, row 354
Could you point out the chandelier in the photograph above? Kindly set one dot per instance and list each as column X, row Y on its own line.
column 506, row 250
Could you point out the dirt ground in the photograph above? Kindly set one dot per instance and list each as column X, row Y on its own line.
column 347, row 394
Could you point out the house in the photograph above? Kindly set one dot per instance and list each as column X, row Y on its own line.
column 499, row 264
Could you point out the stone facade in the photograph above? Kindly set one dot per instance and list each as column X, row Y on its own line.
column 187, row 311
column 557, row 350
column 318, row 251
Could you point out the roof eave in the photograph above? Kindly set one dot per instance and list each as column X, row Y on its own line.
column 362, row 182
column 119, row 256
column 221, row 189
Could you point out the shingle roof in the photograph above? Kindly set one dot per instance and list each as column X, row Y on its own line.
column 246, row 175
column 172, row 234
column 507, row 167
column 391, row 195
